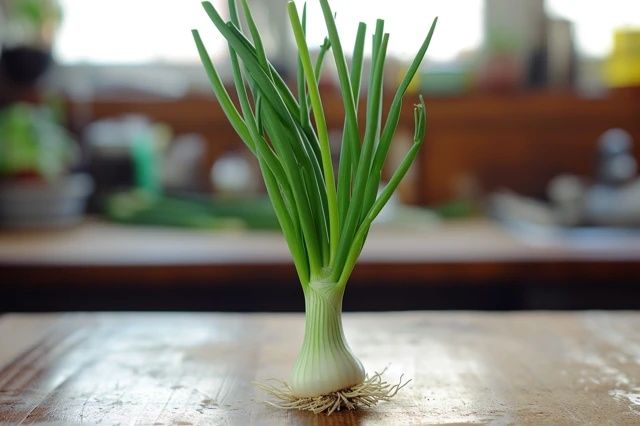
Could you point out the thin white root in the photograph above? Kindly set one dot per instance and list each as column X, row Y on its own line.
column 366, row 394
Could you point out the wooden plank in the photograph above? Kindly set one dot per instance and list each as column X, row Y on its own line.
column 25, row 331
column 467, row 368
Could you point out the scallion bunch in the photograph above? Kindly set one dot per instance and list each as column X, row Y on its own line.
column 325, row 220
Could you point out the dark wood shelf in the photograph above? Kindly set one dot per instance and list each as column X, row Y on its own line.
column 471, row 265
column 518, row 140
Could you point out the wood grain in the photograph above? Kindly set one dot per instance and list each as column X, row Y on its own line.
column 467, row 368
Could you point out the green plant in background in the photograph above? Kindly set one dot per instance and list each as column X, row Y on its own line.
column 30, row 21
column 140, row 207
column 325, row 219
column 32, row 143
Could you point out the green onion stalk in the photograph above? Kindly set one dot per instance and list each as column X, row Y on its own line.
column 325, row 218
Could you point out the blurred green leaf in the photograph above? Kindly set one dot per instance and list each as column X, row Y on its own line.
column 33, row 142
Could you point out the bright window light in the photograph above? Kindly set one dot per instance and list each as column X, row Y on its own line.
column 133, row 31
column 407, row 21
column 595, row 21
column 143, row 31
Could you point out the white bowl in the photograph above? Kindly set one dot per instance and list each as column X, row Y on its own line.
column 25, row 204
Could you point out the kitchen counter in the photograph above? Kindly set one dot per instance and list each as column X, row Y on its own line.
column 98, row 261
column 189, row 369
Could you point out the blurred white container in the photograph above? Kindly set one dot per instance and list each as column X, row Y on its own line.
column 33, row 204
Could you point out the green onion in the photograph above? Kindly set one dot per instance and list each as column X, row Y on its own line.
column 324, row 222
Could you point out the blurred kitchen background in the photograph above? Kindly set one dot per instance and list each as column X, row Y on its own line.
column 123, row 187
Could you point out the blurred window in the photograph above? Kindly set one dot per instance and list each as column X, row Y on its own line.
column 407, row 21
column 595, row 21
column 109, row 32
column 132, row 31
column 112, row 32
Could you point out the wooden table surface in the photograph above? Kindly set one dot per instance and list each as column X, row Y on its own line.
column 183, row 369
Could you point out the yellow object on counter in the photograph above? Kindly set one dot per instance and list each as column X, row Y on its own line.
column 622, row 68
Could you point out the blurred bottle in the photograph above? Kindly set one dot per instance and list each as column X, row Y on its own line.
column 622, row 68
column 232, row 175
column 561, row 55
column 184, row 164
column 515, row 45
column 125, row 153
column 616, row 164
column 614, row 199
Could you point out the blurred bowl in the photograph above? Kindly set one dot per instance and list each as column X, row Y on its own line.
column 26, row 204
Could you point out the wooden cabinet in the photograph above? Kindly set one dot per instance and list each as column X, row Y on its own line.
column 517, row 141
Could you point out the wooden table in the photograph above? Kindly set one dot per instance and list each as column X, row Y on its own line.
column 183, row 369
